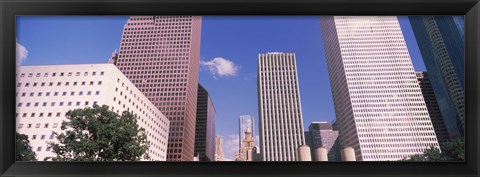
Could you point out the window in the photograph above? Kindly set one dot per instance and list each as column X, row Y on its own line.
column 89, row 92
column 72, row 93
column 50, row 84
column 94, row 73
column 37, row 125
column 27, row 84
column 54, row 74
column 55, row 125
column 55, row 94
column 70, row 74
column 43, row 84
column 52, row 104
column 86, row 103
column 97, row 93
column 39, row 94
column 80, row 93
column 49, row 115
column 23, row 94
column 58, row 114
column 46, row 126
column 44, row 104
column 94, row 103
column 78, row 103
column 31, row 93
column 36, row 104
column 74, row 83
column 19, row 84
column 78, row 74
column 29, row 126
column 99, row 82
column 69, row 103
column 67, row 83
column 19, row 105
column 20, row 125
column 52, row 135
column 101, row 73
column 91, row 82
column 83, row 83
column 47, row 94
column 42, row 137
column 39, row 148
column 85, row 74
column 41, row 115
column 64, row 94
column 61, row 103
column 61, row 74
column 34, row 84
column 28, row 104
column 34, row 137
column 48, row 148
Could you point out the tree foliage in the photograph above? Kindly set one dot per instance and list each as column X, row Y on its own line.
column 453, row 150
column 23, row 151
column 97, row 134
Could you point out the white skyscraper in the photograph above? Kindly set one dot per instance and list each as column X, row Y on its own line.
column 280, row 110
column 46, row 93
column 380, row 109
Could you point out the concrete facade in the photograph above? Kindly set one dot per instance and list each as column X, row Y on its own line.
column 46, row 93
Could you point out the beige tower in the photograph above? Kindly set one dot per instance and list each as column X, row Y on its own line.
column 247, row 150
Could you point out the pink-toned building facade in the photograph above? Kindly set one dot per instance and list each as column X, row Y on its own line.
column 161, row 55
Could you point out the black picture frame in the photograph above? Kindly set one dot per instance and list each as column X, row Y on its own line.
column 11, row 8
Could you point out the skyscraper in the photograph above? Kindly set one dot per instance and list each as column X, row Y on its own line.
column 321, row 134
column 205, row 126
column 379, row 107
column 160, row 55
column 432, row 106
column 441, row 41
column 46, row 93
column 280, row 110
column 245, row 122
column 218, row 149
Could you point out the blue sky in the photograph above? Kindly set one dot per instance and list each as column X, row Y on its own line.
column 239, row 39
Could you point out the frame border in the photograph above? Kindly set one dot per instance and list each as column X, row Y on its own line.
column 11, row 8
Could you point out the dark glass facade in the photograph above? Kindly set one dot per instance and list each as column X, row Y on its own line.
column 441, row 43
column 205, row 126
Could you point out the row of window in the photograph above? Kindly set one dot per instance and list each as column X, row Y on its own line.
column 80, row 93
column 61, row 74
column 43, row 84
column 38, row 125
column 44, row 104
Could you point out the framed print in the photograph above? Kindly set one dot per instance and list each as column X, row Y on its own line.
column 239, row 88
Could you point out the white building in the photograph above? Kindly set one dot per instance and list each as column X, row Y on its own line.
column 380, row 109
column 46, row 93
column 280, row 109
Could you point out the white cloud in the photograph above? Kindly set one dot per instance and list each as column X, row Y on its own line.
column 230, row 147
column 21, row 54
column 221, row 67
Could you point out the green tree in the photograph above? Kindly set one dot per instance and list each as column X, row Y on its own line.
column 453, row 150
column 23, row 151
column 97, row 134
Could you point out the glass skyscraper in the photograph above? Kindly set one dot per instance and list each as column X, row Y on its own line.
column 441, row 42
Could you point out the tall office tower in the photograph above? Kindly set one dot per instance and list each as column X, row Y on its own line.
column 46, row 93
column 379, row 106
column 441, row 41
column 245, row 122
column 218, row 149
column 160, row 55
column 432, row 106
column 321, row 134
column 280, row 109
column 205, row 126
